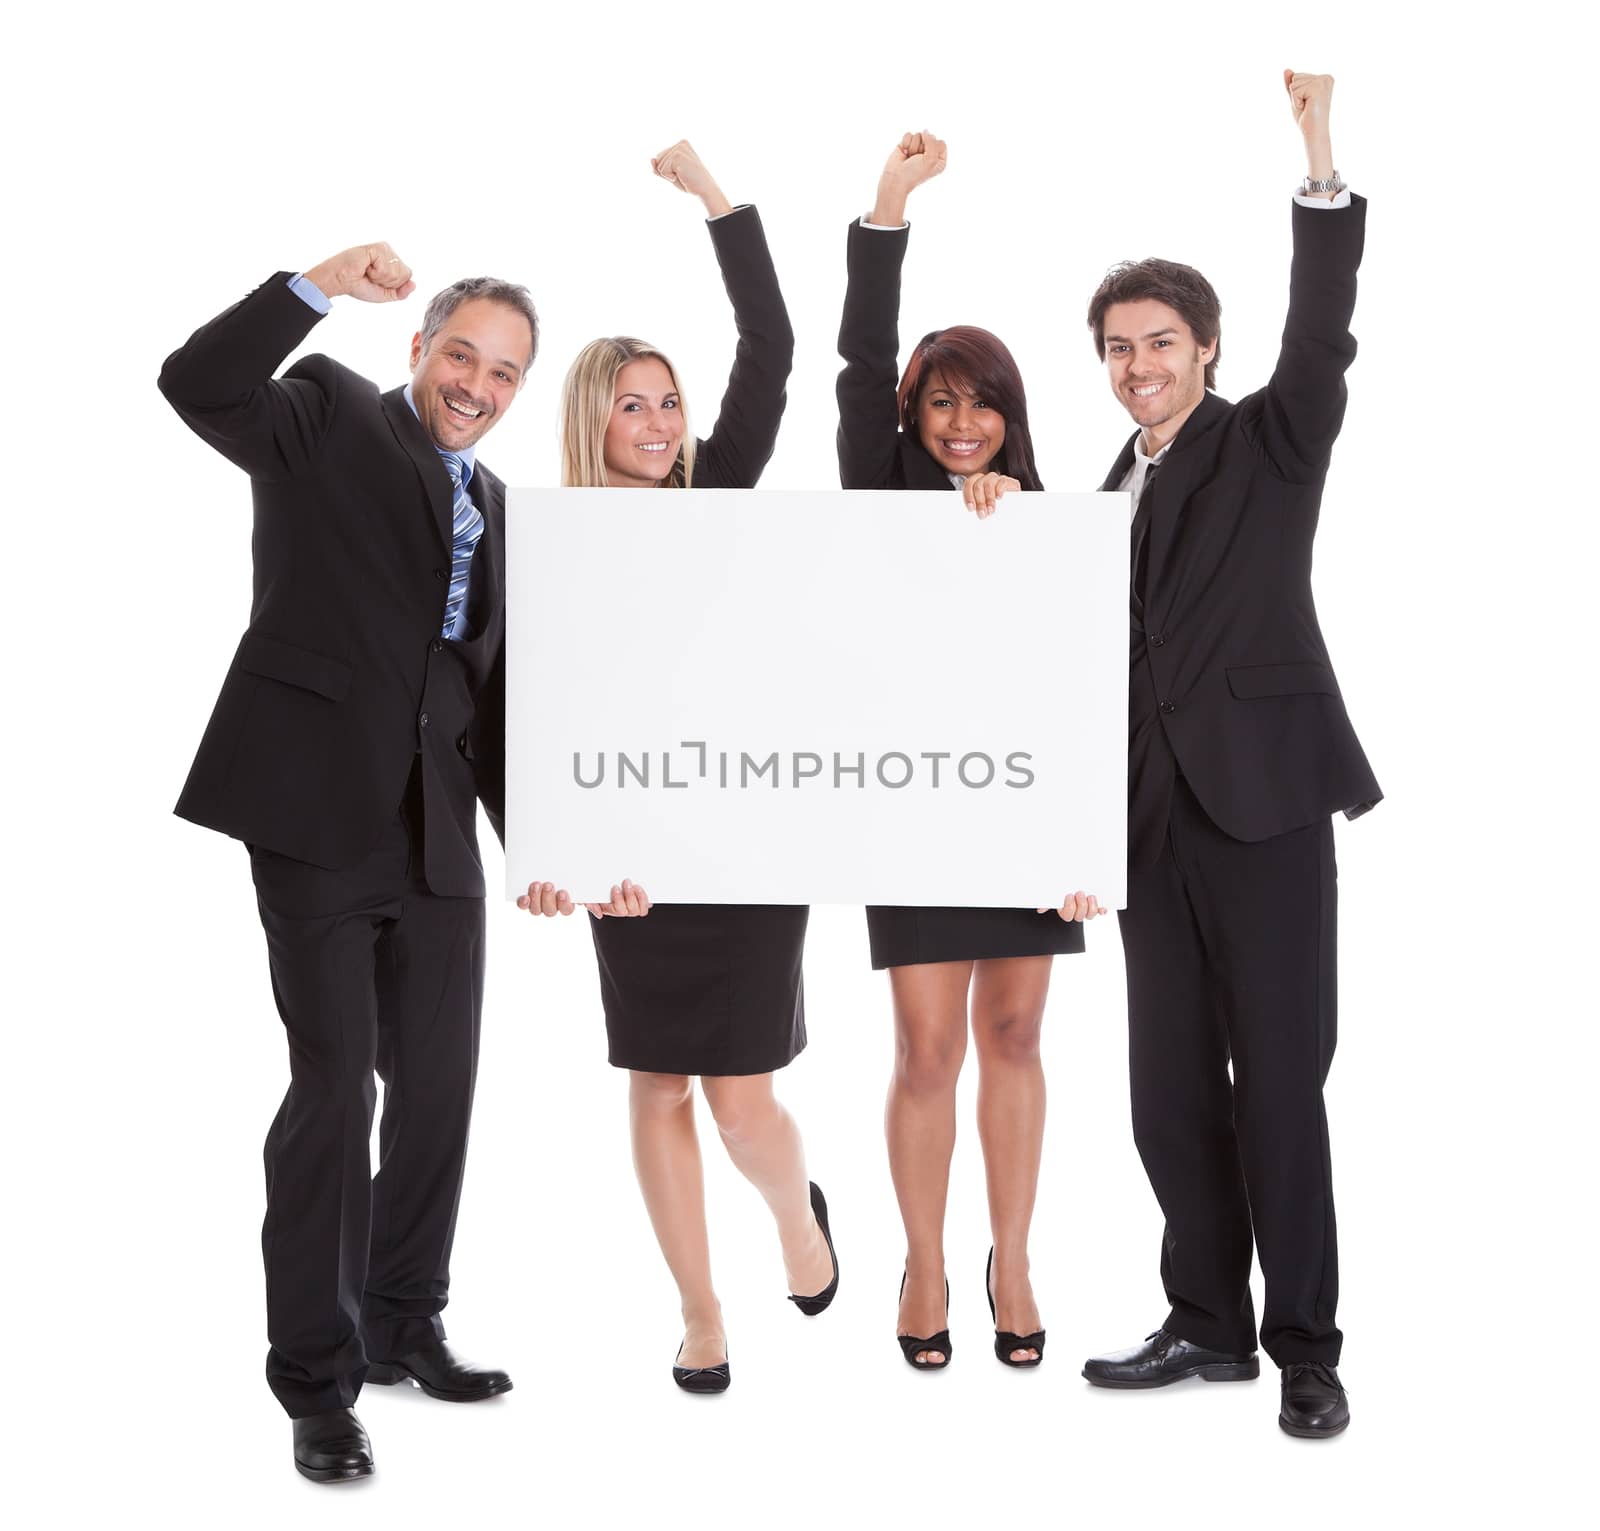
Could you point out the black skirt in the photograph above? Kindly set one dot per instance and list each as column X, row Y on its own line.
column 704, row 988
column 903, row 937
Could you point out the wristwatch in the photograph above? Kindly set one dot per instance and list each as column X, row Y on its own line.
column 1310, row 188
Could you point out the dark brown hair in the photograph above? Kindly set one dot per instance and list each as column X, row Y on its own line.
column 975, row 362
column 1181, row 288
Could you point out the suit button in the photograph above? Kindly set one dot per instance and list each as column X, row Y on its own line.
column 461, row 744
column 422, row 722
column 1157, row 639
column 436, row 645
column 438, row 574
column 1169, row 706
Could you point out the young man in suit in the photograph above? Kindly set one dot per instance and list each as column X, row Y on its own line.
column 361, row 718
column 1239, row 753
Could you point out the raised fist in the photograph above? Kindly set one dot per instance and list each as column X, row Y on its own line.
column 372, row 273
column 684, row 168
column 918, row 157
column 1309, row 99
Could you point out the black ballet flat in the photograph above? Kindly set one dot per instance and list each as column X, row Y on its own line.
column 910, row 1344
column 701, row 1379
column 811, row 1306
column 1004, row 1340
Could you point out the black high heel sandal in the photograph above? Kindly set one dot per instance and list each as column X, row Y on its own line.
column 1004, row 1340
column 811, row 1306
column 701, row 1379
column 910, row 1344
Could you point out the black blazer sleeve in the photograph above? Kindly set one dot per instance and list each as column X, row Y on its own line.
column 741, row 442
column 869, row 340
column 220, row 382
column 1304, row 401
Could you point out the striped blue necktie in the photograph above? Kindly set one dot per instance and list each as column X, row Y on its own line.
column 466, row 528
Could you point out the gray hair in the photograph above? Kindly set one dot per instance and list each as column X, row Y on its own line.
column 512, row 294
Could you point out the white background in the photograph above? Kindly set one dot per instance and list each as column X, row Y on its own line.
column 164, row 160
column 817, row 624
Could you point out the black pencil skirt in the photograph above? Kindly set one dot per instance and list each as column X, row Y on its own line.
column 704, row 988
column 903, row 937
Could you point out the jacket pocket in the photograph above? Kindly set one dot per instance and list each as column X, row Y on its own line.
column 294, row 666
column 1250, row 681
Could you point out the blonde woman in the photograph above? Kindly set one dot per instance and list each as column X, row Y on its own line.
column 703, row 990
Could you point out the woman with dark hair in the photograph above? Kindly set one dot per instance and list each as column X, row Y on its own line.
column 957, row 418
column 702, row 990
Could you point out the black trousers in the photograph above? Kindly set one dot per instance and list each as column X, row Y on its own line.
column 372, row 973
column 1230, row 950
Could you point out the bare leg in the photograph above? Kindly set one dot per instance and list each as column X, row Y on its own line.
column 1008, row 995
column 666, row 1158
column 764, row 1144
column 930, row 1042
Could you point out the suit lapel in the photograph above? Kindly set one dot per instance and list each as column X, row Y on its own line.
column 1168, row 493
column 409, row 433
column 488, row 558
column 1119, row 469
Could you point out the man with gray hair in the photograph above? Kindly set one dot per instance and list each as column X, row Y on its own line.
column 360, row 720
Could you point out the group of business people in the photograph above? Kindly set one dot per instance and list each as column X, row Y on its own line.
column 362, row 719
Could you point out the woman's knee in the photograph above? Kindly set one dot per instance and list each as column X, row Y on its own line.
column 741, row 1105
column 1008, row 1035
column 928, row 1056
column 659, row 1092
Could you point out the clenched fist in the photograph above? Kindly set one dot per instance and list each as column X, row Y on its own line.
column 685, row 169
column 372, row 273
column 1309, row 98
column 918, row 157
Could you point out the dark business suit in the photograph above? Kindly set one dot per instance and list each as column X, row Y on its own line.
column 1240, row 750
column 875, row 453
column 343, row 750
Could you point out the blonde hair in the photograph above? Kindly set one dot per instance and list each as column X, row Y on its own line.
column 587, row 397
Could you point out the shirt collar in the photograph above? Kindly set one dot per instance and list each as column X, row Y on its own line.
column 468, row 455
column 1139, row 453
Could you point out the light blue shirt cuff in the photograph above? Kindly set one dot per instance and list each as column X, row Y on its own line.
column 308, row 292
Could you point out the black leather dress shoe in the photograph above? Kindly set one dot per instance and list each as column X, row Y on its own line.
column 331, row 1447
column 440, row 1373
column 1164, row 1358
column 1314, row 1404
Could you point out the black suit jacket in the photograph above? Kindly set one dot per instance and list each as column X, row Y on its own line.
column 741, row 442
column 342, row 681
column 1231, row 680
column 874, row 453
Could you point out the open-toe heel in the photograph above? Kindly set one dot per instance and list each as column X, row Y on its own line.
column 911, row 1344
column 1004, row 1340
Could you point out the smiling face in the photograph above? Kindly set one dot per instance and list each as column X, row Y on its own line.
column 470, row 371
column 959, row 430
column 645, row 430
column 1156, row 367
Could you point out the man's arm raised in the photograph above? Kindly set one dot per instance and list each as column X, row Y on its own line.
column 1305, row 397
column 220, row 380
